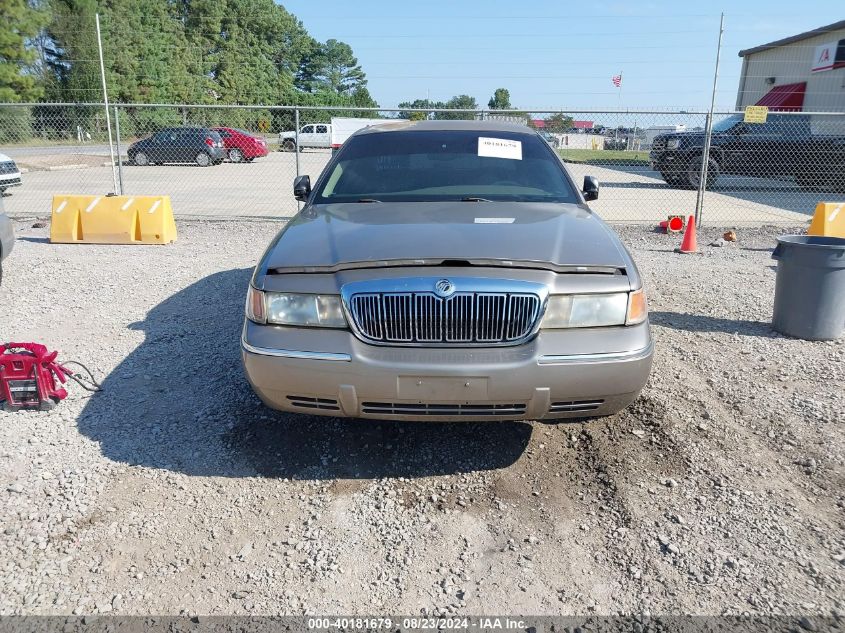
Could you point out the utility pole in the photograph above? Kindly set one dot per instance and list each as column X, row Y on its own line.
column 106, row 101
column 708, row 131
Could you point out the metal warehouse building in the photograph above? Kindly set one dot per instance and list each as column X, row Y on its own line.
column 805, row 72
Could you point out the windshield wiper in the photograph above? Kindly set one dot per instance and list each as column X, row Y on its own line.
column 368, row 200
column 474, row 199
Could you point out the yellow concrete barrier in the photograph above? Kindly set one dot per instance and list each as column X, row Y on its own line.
column 112, row 220
column 828, row 220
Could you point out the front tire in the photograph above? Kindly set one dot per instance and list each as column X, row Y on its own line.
column 236, row 155
column 287, row 145
column 693, row 173
column 141, row 159
column 202, row 159
column 673, row 179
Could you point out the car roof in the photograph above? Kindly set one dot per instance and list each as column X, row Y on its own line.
column 442, row 126
column 187, row 128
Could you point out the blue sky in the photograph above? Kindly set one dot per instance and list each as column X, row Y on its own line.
column 556, row 54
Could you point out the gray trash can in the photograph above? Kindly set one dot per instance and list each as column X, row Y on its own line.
column 810, row 287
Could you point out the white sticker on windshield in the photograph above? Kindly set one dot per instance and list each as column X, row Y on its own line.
column 494, row 220
column 499, row 148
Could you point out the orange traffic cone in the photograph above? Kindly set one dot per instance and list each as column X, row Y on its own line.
column 689, row 243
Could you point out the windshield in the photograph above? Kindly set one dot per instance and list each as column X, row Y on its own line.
column 726, row 124
column 435, row 165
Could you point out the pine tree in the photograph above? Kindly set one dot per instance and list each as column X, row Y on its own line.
column 20, row 22
column 331, row 67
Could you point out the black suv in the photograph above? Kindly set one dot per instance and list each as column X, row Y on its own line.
column 179, row 145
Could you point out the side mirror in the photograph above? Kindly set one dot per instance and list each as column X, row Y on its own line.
column 302, row 188
column 591, row 188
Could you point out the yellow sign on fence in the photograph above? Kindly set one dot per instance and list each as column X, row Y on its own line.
column 112, row 220
column 756, row 114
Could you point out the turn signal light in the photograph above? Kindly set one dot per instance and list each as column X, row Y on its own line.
column 637, row 309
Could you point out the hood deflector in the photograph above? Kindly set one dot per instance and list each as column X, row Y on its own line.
column 451, row 263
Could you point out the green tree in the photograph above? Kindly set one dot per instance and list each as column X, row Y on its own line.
column 73, row 53
column 418, row 109
column 331, row 67
column 171, row 51
column 362, row 97
column 146, row 54
column 501, row 100
column 21, row 23
column 558, row 123
column 459, row 102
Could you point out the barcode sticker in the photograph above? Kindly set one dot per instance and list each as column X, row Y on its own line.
column 499, row 148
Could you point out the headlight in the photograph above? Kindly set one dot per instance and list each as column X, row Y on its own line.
column 283, row 308
column 571, row 311
column 673, row 143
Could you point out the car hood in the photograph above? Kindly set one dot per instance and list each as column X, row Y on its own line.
column 687, row 134
column 539, row 235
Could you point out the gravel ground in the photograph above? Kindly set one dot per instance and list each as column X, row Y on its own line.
column 175, row 491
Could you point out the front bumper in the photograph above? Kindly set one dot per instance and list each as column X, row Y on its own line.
column 256, row 152
column 10, row 180
column 668, row 161
column 559, row 374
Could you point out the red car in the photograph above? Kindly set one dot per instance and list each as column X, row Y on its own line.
column 241, row 145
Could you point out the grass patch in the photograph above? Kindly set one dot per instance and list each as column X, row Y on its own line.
column 604, row 157
column 50, row 142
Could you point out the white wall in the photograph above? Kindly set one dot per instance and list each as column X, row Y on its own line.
column 580, row 141
column 791, row 64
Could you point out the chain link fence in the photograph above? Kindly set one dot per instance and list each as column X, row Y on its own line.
column 241, row 161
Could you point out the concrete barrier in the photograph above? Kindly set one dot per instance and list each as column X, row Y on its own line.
column 112, row 220
column 828, row 220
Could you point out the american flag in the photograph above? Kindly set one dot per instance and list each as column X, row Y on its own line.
column 617, row 80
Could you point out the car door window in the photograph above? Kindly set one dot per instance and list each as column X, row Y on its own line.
column 322, row 129
column 792, row 126
column 308, row 129
column 768, row 128
column 185, row 145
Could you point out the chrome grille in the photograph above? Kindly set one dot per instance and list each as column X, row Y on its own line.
column 463, row 318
